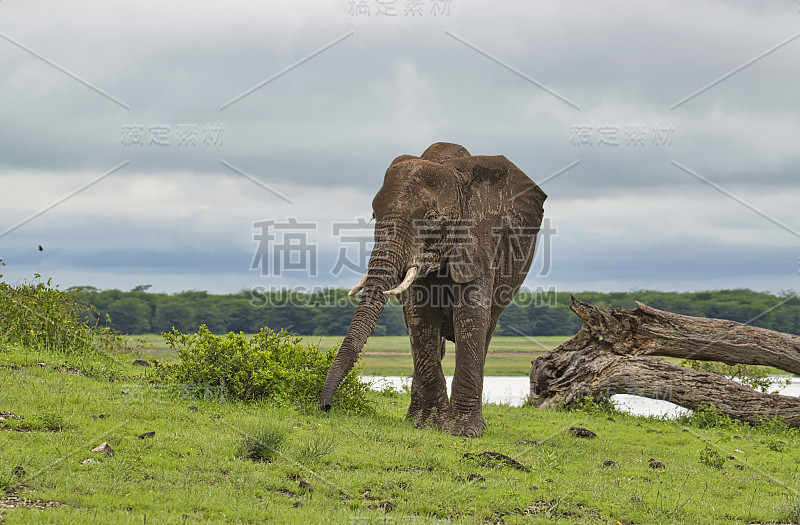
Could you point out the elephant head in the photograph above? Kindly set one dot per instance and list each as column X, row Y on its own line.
column 437, row 213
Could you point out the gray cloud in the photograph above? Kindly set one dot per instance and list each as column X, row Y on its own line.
column 331, row 125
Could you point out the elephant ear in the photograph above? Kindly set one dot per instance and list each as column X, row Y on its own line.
column 498, row 197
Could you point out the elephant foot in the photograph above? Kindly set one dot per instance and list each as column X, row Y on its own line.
column 468, row 426
column 434, row 416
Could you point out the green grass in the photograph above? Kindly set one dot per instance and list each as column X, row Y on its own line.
column 391, row 355
column 193, row 469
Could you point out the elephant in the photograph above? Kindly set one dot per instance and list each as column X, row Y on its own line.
column 455, row 236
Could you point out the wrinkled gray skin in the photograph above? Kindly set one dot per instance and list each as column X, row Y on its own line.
column 469, row 224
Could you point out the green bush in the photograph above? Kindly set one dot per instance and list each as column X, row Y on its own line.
column 776, row 426
column 775, row 445
column 708, row 416
column 39, row 316
column 272, row 366
column 711, row 458
column 596, row 405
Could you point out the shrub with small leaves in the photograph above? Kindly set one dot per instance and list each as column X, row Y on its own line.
column 775, row 445
column 39, row 316
column 711, row 458
column 708, row 416
column 280, row 367
column 775, row 426
column 596, row 405
column 389, row 390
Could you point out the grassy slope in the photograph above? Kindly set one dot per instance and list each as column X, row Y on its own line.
column 189, row 472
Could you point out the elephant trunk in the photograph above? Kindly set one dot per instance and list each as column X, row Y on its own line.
column 385, row 266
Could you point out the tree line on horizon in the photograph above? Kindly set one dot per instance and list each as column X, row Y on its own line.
column 329, row 311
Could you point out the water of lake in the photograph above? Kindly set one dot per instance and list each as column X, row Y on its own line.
column 514, row 390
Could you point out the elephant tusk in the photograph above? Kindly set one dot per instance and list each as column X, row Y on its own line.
column 357, row 288
column 411, row 274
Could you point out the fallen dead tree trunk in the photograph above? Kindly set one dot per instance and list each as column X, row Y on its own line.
column 609, row 355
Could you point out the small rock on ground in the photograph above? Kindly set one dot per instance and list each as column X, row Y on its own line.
column 495, row 458
column 104, row 448
column 582, row 432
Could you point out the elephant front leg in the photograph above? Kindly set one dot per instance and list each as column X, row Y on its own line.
column 429, row 405
column 466, row 402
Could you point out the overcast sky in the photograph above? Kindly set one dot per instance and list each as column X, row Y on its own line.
column 142, row 142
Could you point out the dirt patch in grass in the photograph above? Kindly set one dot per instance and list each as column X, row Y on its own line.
column 10, row 500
